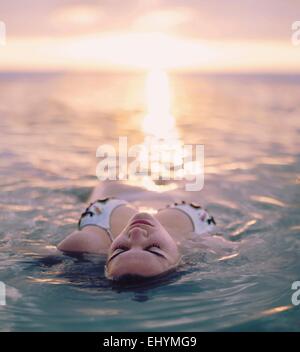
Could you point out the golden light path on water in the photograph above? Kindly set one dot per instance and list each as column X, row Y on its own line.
column 162, row 154
column 159, row 121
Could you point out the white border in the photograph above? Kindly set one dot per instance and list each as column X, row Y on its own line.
column 2, row 33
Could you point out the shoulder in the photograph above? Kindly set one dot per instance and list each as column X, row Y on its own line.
column 89, row 240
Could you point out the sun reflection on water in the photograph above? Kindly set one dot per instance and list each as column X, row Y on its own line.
column 162, row 150
column 159, row 122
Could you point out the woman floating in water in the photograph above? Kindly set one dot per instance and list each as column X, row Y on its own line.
column 137, row 244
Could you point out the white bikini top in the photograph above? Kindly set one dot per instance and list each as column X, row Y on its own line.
column 99, row 212
column 202, row 221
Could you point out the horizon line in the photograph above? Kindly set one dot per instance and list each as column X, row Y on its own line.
column 143, row 71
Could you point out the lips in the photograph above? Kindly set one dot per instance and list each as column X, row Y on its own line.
column 141, row 222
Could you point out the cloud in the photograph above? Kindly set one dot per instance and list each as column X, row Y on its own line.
column 238, row 19
column 76, row 15
column 163, row 20
column 200, row 34
column 147, row 51
column 232, row 19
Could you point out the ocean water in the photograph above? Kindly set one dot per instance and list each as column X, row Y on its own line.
column 50, row 128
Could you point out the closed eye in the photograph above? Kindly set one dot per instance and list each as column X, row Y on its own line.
column 152, row 249
column 118, row 250
column 123, row 248
column 153, row 245
column 157, row 253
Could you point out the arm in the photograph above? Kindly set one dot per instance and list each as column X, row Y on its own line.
column 90, row 239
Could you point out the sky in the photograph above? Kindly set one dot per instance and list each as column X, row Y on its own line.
column 195, row 35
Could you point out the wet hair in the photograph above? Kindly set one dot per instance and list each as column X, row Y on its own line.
column 130, row 278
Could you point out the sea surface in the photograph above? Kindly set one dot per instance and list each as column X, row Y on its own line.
column 240, row 280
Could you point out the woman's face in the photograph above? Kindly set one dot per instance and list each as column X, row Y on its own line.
column 143, row 248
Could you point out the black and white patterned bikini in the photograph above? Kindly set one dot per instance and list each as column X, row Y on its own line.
column 202, row 221
column 99, row 213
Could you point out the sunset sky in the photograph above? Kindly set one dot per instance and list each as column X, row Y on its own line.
column 197, row 35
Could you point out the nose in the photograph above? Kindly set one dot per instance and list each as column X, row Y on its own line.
column 137, row 235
